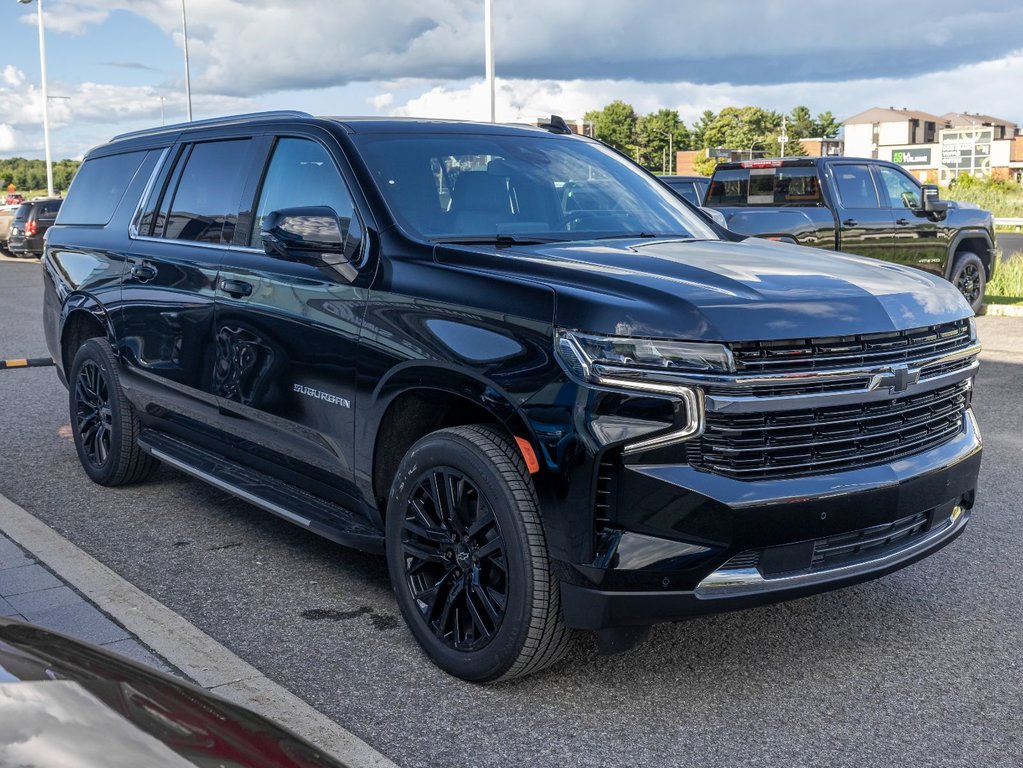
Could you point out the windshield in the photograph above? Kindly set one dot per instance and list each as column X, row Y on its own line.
column 521, row 187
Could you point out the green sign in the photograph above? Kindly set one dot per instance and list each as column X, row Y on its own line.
column 912, row 156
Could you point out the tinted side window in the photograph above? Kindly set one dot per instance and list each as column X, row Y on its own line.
column 48, row 210
column 204, row 207
column 729, row 187
column 23, row 211
column 903, row 192
column 855, row 186
column 686, row 189
column 98, row 187
column 302, row 173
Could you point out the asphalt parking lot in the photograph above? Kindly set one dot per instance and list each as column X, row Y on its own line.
column 922, row 668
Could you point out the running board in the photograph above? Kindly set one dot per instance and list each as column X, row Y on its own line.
column 294, row 504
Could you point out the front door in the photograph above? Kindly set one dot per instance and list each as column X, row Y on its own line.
column 919, row 240
column 865, row 227
column 286, row 333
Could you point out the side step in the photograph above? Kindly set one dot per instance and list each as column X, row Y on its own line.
column 293, row 504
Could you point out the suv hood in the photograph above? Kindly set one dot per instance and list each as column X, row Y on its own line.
column 719, row 290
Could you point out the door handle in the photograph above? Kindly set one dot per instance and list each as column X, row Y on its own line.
column 236, row 288
column 850, row 223
column 902, row 222
column 143, row 271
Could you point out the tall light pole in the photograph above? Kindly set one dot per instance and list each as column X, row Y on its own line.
column 188, row 77
column 46, row 101
column 488, row 24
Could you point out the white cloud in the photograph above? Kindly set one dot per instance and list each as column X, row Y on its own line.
column 9, row 138
column 381, row 101
column 13, row 76
column 71, row 18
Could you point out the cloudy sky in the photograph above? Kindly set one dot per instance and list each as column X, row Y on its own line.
column 112, row 61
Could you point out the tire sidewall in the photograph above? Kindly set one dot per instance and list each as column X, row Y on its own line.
column 960, row 263
column 436, row 451
column 99, row 352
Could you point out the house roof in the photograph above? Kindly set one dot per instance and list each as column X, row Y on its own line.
column 957, row 119
column 891, row 115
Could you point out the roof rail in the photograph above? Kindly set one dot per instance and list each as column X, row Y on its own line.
column 225, row 120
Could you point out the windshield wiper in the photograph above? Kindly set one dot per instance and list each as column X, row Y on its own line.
column 501, row 241
column 641, row 236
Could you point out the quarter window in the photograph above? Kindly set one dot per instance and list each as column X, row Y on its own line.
column 204, row 208
column 903, row 192
column 302, row 174
column 98, row 187
column 855, row 186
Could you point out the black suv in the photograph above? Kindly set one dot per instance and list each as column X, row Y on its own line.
column 549, row 391
column 28, row 230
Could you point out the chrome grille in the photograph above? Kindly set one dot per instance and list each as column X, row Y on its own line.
column 801, row 355
column 789, row 443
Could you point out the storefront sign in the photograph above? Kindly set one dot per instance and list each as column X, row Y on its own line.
column 912, row 156
column 966, row 150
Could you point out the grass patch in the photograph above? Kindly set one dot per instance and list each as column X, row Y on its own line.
column 1003, row 198
column 1004, row 300
column 1007, row 284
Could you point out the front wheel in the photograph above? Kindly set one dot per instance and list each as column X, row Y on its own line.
column 468, row 560
column 970, row 277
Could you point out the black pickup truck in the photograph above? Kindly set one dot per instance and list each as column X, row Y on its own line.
column 861, row 206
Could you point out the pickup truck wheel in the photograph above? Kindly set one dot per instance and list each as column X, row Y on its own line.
column 103, row 422
column 969, row 277
column 467, row 555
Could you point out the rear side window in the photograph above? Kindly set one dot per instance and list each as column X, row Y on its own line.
column 48, row 210
column 23, row 211
column 687, row 189
column 855, row 186
column 98, row 187
column 204, row 205
column 774, row 187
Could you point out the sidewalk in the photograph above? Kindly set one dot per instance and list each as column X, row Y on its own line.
column 29, row 591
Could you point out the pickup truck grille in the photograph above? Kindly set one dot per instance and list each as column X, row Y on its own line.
column 789, row 443
column 873, row 349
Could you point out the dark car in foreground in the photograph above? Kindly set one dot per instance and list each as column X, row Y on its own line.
column 68, row 703
column 858, row 205
column 692, row 188
column 549, row 391
column 28, row 229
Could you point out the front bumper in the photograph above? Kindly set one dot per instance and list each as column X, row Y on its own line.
column 696, row 543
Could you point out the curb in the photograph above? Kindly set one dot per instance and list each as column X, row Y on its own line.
column 1001, row 310
column 185, row 646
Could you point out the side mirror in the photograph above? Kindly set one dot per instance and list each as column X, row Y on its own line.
column 930, row 202
column 304, row 234
column 716, row 216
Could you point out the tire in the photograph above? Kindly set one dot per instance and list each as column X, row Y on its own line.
column 449, row 562
column 970, row 277
column 103, row 422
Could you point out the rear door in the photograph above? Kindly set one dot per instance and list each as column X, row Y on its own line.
column 165, row 333
column 918, row 240
column 286, row 331
column 866, row 227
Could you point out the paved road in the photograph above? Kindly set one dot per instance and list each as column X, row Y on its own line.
column 1009, row 242
column 922, row 668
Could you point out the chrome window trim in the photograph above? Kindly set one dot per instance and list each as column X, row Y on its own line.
column 133, row 225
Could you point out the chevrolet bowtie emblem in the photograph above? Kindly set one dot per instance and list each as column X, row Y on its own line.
column 900, row 378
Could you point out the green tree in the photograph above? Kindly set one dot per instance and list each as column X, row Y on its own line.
column 801, row 124
column 743, row 128
column 704, row 165
column 827, row 126
column 698, row 135
column 652, row 142
column 615, row 124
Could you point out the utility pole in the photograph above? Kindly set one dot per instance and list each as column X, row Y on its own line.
column 784, row 138
column 488, row 43
column 188, row 77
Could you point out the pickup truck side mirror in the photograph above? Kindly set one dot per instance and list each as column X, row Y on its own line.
column 930, row 201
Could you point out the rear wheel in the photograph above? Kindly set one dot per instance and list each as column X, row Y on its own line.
column 970, row 277
column 103, row 422
column 468, row 558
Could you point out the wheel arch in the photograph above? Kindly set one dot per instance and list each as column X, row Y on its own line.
column 976, row 241
column 82, row 318
column 419, row 398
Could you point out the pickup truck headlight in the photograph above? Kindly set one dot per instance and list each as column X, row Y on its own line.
column 648, row 365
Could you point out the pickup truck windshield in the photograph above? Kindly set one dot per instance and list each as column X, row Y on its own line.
column 774, row 187
column 521, row 187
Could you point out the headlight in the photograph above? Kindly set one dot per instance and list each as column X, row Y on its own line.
column 642, row 365
column 595, row 357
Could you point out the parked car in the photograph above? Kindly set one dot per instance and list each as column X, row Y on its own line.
column 14, row 199
column 692, row 188
column 66, row 702
column 856, row 205
column 7, row 213
column 396, row 334
column 28, row 229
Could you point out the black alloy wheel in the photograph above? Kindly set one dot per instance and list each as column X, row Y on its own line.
column 969, row 277
column 93, row 416
column 454, row 559
column 104, row 424
column 467, row 554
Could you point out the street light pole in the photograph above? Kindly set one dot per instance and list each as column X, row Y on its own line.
column 46, row 101
column 488, row 24
column 188, row 77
